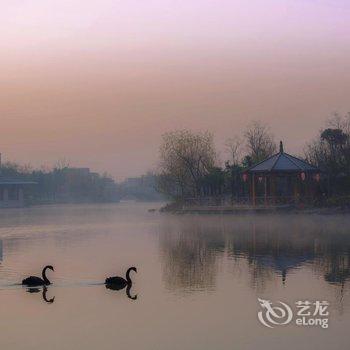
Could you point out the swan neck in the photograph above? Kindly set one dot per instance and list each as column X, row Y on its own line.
column 46, row 280
column 128, row 279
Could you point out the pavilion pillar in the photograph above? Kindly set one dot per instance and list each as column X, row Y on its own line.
column 272, row 188
column 20, row 196
column 253, row 190
column 265, row 190
column 309, row 193
column 296, row 190
column 6, row 194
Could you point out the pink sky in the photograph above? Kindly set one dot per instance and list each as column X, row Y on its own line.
column 98, row 82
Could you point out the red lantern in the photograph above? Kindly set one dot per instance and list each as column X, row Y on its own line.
column 318, row 177
column 245, row 177
column 303, row 176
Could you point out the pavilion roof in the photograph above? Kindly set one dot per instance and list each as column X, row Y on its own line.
column 282, row 162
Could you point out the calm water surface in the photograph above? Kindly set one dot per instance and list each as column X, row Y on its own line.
column 197, row 284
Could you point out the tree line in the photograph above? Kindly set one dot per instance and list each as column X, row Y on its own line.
column 63, row 184
column 190, row 166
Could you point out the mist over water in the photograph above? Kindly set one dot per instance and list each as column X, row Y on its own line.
column 198, row 280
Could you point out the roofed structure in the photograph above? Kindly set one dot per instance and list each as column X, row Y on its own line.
column 282, row 179
column 12, row 192
column 282, row 162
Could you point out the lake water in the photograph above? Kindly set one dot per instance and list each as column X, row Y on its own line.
column 198, row 281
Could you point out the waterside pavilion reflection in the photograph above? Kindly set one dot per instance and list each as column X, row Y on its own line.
column 193, row 251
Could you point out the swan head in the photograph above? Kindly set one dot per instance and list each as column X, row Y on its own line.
column 133, row 268
column 49, row 267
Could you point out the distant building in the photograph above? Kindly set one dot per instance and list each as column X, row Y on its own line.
column 79, row 185
column 77, row 171
column 141, row 188
column 12, row 194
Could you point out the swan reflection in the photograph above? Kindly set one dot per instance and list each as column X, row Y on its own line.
column 43, row 295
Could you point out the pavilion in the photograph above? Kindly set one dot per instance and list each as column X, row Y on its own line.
column 282, row 179
column 12, row 192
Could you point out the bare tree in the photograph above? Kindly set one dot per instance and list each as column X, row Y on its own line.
column 61, row 164
column 185, row 158
column 259, row 141
column 338, row 121
column 233, row 147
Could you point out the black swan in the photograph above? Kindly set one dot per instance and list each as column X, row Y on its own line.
column 128, row 288
column 37, row 281
column 117, row 282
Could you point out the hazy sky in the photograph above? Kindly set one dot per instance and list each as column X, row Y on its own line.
column 98, row 81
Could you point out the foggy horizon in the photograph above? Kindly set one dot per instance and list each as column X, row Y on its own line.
column 98, row 83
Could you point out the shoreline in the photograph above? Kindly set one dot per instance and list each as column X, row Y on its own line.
column 175, row 208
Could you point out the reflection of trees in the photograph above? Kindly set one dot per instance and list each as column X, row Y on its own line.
column 334, row 259
column 284, row 244
column 289, row 244
column 270, row 245
column 338, row 269
column 190, row 256
column 1, row 254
